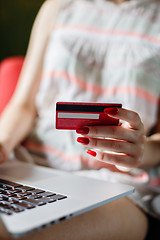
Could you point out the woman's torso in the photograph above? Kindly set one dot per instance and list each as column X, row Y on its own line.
column 97, row 52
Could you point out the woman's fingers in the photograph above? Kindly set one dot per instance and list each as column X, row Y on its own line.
column 112, row 145
column 131, row 130
column 129, row 116
column 115, row 159
column 115, row 132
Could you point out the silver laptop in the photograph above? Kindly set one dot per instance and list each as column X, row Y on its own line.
column 32, row 197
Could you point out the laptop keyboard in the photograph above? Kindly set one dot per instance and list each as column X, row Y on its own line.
column 15, row 198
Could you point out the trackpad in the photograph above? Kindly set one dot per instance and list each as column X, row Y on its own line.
column 25, row 172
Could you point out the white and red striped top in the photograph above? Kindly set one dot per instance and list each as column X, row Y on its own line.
column 97, row 52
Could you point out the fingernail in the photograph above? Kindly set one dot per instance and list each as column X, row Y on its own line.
column 111, row 111
column 92, row 153
column 82, row 130
column 83, row 140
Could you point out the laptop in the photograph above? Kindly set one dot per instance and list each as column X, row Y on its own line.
column 33, row 197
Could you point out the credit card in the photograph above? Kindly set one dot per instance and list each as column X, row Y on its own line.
column 72, row 115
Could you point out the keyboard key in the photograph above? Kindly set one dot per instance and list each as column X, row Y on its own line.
column 26, row 193
column 11, row 190
column 48, row 200
column 35, row 196
column 4, row 187
column 16, row 190
column 6, row 206
column 37, row 191
column 5, row 211
column 15, row 208
column 3, row 196
column 8, row 193
column 35, row 202
column 26, row 188
column 10, row 201
column 24, row 205
column 58, row 197
column 6, row 198
column 8, row 183
column 19, row 197
column 7, row 187
column 48, row 194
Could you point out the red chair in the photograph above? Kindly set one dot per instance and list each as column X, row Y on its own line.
column 10, row 69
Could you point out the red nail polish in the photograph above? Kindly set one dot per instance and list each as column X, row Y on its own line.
column 82, row 130
column 111, row 111
column 92, row 153
column 83, row 140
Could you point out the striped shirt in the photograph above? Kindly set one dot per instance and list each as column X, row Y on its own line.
column 97, row 52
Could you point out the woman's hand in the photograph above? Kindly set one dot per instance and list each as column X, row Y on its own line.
column 121, row 145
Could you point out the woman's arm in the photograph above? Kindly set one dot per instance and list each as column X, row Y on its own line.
column 151, row 155
column 18, row 117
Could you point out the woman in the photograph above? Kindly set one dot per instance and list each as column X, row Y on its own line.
column 95, row 51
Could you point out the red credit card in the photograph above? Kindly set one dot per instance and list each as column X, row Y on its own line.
column 71, row 115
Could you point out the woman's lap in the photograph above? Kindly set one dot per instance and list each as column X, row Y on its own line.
column 120, row 219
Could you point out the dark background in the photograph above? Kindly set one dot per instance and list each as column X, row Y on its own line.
column 16, row 19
